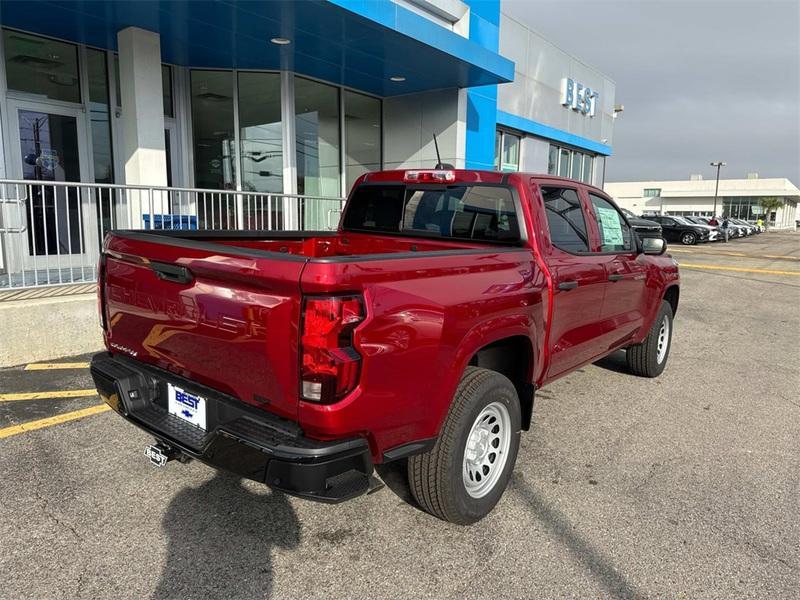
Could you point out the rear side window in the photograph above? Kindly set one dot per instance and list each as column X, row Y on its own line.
column 615, row 235
column 473, row 212
column 565, row 219
column 375, row 208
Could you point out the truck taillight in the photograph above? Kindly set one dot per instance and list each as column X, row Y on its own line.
column 436, row 176
column 330, row 365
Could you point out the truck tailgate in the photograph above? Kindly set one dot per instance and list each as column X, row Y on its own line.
column 223, row 316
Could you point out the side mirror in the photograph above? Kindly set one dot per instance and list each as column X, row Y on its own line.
column 654, row 246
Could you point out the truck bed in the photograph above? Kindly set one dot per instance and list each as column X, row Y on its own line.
column 309, row 244
column 224, row 308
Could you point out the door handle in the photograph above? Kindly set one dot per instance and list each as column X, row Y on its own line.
column 567, row 285
column 616, row 277
column 174, row 273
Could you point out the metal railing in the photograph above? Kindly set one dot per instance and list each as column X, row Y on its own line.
column 51, row 232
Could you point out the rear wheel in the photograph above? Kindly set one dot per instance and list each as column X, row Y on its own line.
column 688, row 238
column 649, row 358
column 462, row 478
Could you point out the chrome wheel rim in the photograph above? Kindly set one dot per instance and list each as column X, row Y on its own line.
column 688, row 238
column 486, row 451
column 663, row 340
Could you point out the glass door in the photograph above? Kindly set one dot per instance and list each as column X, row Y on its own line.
column 50, row 148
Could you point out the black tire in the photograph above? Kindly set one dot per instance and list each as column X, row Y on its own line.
column 643, row 359
column 688, row 238
column 436, row 477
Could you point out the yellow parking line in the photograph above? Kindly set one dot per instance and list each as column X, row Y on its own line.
column 47, row 366
column 738, row 269
column 49, row 421
column 741, row 254
column 707, row 252
column 47, row 395
column 779, row 256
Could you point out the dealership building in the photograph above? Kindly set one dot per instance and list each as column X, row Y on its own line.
column 260, row 115
column 737, row 198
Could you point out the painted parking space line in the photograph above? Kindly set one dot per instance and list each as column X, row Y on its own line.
column 48, row 366
column 738, row 269
column 50, row 421
column 737, row 254
column 719, row 253
column 47, row 395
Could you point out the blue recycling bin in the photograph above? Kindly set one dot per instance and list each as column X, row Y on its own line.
column 170, row 221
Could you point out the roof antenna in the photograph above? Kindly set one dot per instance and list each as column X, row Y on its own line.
column 439, row 163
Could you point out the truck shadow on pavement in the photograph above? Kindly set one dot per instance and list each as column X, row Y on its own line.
column 220, row 538
column 611, row 578
column 615, row 362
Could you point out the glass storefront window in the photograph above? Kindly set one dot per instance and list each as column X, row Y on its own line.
column 362, row 130
column 49, row 145
column 506, row 151
column 41, row 66
column 510, row 161
column 563, row 162
column 570, row 163
column 99, row 116
column 166, row 90
column 498, row 144
column 552, row 160
column 317, row 138
column 587, row 168
column 260, row 132
column 577, row 165
column 212, row 128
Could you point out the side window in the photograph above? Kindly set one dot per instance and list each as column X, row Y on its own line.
column 615, row 235
column 565, row 219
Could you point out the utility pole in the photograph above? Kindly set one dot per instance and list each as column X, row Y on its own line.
column 719, row 164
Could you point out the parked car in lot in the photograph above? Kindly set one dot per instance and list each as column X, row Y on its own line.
column 419, row 330
column 749, row 227
column 643, row 227
column 734, row 230
column 677, row 229
column 719, row 233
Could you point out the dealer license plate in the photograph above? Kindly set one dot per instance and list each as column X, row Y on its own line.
column 186, row 406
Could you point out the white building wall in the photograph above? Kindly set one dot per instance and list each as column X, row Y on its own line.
column 535, row 93
column 698, row 195
column 409, row 123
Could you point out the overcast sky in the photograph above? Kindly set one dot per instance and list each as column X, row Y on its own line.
column 700, row 80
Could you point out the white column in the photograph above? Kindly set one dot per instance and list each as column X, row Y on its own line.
column 143, row 148
column 291, row 214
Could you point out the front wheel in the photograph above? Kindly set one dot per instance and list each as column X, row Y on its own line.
column 688, row 239
column 649, row 358
column 462, row 478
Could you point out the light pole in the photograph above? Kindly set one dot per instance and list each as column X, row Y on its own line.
column 719, row 164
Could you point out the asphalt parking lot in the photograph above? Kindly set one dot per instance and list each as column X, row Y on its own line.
column 683, row 486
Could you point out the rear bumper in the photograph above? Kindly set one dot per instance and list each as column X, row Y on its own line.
column 242, row 439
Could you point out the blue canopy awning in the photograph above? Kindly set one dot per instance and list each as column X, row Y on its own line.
column 356, row 43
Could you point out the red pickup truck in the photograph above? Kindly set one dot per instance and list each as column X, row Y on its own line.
column 419, row 330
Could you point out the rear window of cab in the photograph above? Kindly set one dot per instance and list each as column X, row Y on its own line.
column 462, row 211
